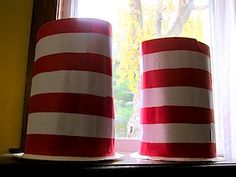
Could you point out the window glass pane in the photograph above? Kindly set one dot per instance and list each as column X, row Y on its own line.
column 134, row 21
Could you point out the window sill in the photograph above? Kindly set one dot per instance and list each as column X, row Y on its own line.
column 128, row 166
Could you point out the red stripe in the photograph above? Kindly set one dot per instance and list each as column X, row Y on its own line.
column 58, row 145
column 73, row 61
column 72, row 103
column 187, row 150
column 176, row 77
column 74, row 25
column 174, row 43
column 176, row 114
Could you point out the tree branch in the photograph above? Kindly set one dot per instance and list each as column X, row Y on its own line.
column 136, row 11
column 159, row 18
column 184, row 12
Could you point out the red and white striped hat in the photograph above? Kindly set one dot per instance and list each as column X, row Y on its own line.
column 176, row 99
column 71, row 104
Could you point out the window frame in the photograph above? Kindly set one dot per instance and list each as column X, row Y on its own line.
column 43, row 11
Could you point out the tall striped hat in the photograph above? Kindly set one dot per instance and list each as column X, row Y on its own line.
column 176, row 99
column 71, row 104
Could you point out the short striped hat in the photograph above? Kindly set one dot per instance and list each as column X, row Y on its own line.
column 177, row 117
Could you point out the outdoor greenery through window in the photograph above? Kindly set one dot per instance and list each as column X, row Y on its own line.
column 134, row 21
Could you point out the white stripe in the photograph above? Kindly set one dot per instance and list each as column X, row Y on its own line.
column 176, row 96
column 83, row 82
column 70, row 124
column 74, row 43
column 178, row 133
column 175, row 59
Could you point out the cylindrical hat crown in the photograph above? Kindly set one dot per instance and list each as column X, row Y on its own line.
column 71, row 103
column 176, row 99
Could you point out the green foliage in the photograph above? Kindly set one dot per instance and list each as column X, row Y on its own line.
column 129, row 43
column 123, row 103
column 123, row 114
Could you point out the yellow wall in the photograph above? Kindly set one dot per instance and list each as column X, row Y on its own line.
column 15, row 20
